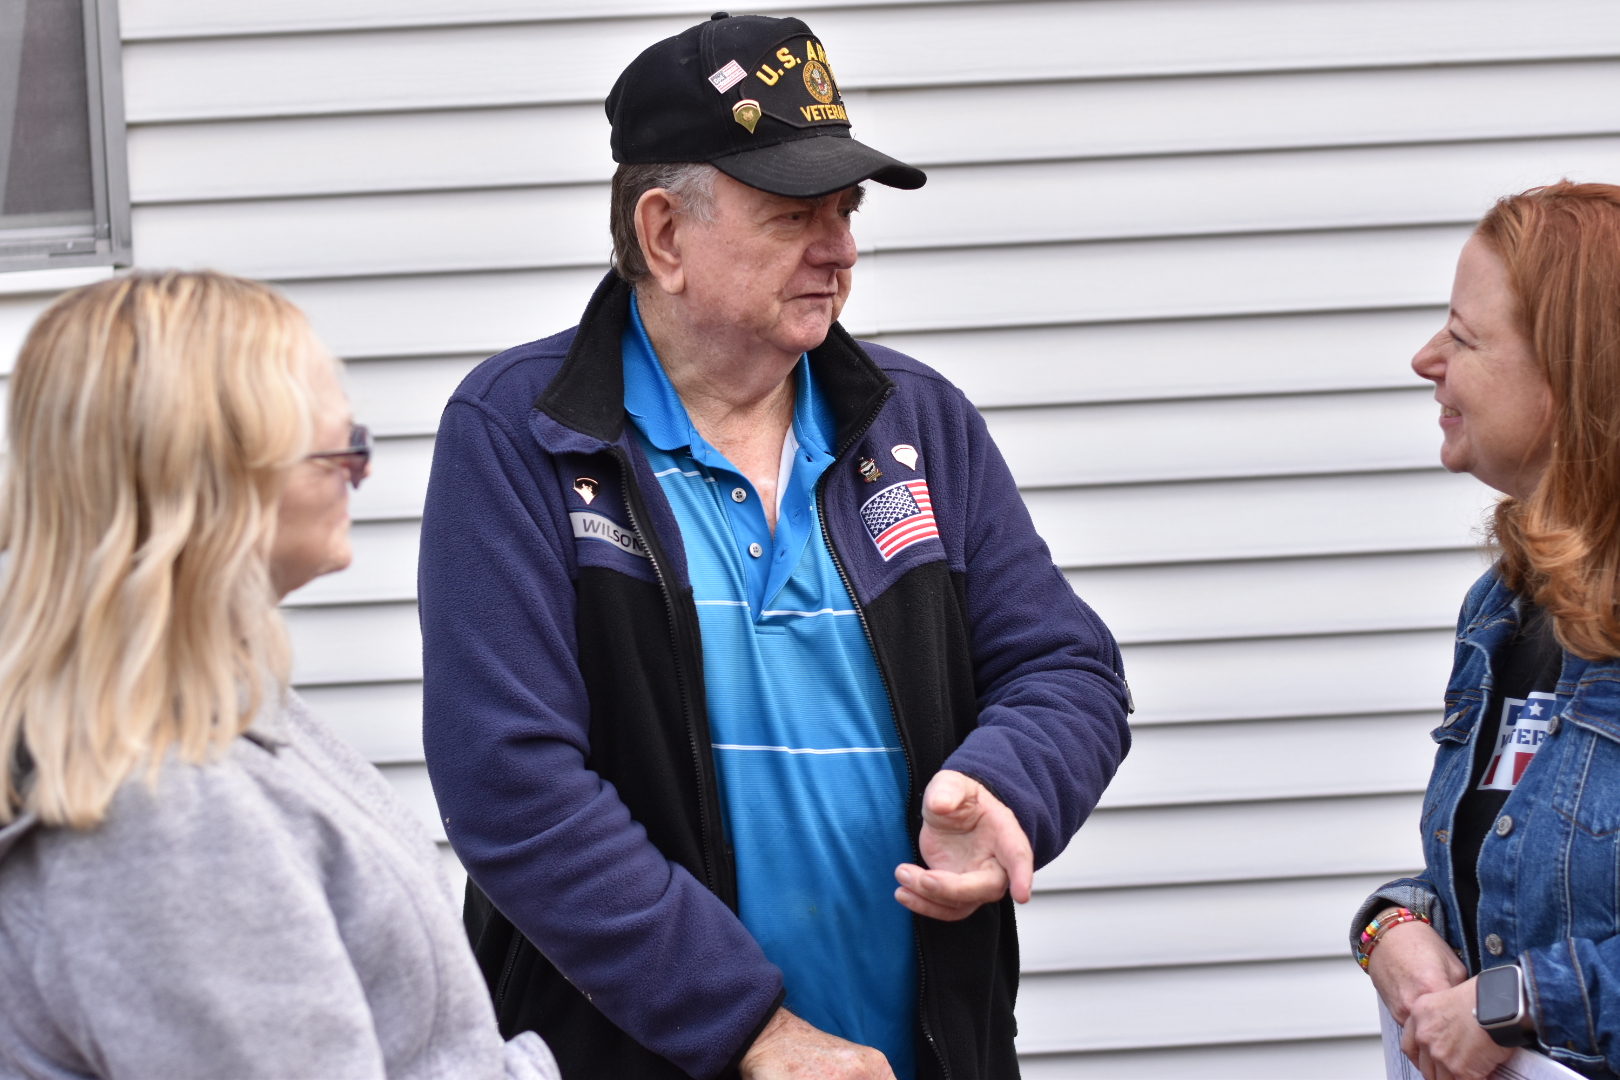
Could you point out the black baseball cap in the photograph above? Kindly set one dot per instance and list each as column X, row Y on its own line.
column 755, row 97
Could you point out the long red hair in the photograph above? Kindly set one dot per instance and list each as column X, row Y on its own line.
column 1561, row 545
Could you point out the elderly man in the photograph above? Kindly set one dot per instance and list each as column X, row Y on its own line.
column 731, row 623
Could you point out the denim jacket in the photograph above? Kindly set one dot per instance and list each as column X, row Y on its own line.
column 1549, row 871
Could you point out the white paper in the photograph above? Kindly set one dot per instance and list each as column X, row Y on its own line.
column 1523, row 1065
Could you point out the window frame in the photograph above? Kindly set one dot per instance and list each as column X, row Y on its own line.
column 109, row 161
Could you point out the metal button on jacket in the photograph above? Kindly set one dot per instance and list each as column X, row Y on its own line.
column 739, row 494
column 1504, row 825
column 1553, row 725
column 1493, row 945
column 755, row 550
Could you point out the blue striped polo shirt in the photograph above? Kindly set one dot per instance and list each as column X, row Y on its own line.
column 812, row 775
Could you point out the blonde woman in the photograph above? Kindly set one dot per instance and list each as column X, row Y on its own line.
column 196, row 877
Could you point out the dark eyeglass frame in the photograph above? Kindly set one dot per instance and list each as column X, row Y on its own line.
column 354, row 458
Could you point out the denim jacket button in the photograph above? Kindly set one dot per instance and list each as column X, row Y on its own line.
column 1553, row 725
column 1504, row 825
column 1493, row 945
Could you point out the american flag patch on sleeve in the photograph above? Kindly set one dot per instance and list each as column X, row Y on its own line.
column 898, row 516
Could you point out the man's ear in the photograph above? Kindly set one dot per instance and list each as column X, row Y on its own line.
column 660, row 246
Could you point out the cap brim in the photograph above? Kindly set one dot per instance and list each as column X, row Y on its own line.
column 821, row 165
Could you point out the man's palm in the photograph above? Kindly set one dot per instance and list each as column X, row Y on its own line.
column 974, row 848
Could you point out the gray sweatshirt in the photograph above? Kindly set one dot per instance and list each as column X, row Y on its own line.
column 277, row 913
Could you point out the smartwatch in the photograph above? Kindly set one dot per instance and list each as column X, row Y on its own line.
column 1500, row 1005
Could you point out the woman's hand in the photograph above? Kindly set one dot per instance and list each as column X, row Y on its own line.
column 1411, row 960
column 1444, row 1040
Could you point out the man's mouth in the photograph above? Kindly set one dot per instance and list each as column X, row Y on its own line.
column 1447, row 410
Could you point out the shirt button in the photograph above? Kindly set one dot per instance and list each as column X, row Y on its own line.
column 1553, row 725
column 1493, row 945
column 1504, row 825
column 755, row 550
column 739, row 494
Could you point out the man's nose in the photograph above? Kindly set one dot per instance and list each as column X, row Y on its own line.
column 835, row 247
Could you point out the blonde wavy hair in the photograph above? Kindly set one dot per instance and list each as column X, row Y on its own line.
column 1561, row 544
column 152, row 423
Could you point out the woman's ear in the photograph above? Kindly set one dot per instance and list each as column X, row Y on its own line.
column 657, row 232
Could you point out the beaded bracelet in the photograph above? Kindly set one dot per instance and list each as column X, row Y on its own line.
column 1377, row 928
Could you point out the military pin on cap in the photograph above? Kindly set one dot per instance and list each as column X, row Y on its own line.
column 746, row 112
column 585, row 487
column 869, row 470
column 906, row 454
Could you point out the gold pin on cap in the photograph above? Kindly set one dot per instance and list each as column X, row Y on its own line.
column 746, row 112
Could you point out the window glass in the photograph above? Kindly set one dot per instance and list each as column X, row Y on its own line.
column 54, row 191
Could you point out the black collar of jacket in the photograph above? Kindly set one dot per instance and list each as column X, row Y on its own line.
column 587, row 393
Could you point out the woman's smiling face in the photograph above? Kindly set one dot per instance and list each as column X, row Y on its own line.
column 1495, row 404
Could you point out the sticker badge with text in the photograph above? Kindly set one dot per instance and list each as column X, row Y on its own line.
column 1523, row 729
column 899, row 516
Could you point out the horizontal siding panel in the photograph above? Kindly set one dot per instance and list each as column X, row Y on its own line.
column 1140, row 604
column 1277, row 597
column 382, row 721
column 1101, row 526
column 1249, row 519
column 355, row 644
column 1102, row 1010
column 384, row 567
column 1141, row 197
column 1274, row 759
column 1278, row 435
column 326, row 155
column 1142, row 279
column 453, row 66
column 1341, row 674
column 568, row 144
column 1218, row 193
column 470, row 65
column 1293, row 510
column 1021, row 122
column 405, row 397
column 1190, row 924
column 382, row 234
column 1100, row 38
column 1319, row 1059
column 1186, row 358
column 398, row 481
column 435, row 315
column 205, row 18
column 17, row 315
column 1374, row 834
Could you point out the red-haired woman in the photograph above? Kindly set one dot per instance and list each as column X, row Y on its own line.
column 1517, row 914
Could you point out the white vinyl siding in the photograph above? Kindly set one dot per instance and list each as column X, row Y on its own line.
column 1178, row 251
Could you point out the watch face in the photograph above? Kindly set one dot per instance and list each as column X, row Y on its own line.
column 1498, row 995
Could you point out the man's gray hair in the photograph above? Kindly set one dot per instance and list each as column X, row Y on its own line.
column 691, row 187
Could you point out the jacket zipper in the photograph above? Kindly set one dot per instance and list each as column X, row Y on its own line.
column 894, row 716
column 506, row 971
column 680, row 674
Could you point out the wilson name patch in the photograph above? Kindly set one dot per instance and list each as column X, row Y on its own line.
column 589, row 526
column 899, row 516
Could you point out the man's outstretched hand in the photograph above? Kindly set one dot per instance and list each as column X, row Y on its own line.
column 974, row 847
column 791, row 1049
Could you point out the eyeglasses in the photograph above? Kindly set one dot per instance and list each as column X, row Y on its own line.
column 355, row 457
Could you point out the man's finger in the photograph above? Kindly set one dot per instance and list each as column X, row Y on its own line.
column 921, row 905
column 973, row 887
column 949, row 797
